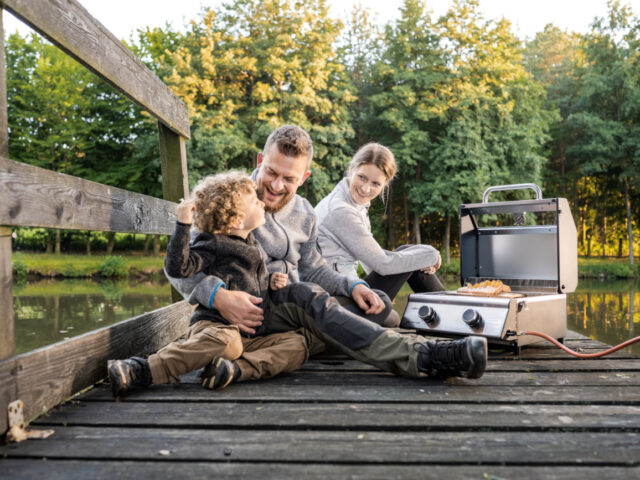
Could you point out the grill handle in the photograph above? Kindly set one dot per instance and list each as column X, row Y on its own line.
column 517, row 186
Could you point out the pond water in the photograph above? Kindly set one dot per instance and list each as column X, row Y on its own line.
column 48, row 311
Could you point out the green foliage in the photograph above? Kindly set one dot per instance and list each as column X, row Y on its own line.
column 606, row 269
column 82, row 266
column 19, row 269
column 113, row 267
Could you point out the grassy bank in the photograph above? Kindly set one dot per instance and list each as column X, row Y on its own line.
column 83, row 266
column 587, row 268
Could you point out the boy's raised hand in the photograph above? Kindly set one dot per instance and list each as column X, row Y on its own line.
column 184, row 211
column 278, row 280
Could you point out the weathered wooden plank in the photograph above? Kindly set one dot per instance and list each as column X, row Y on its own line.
column 285, row 390
column 495, row 365
column 6, row 294
column 332, row 416
column 68, row 25
column 33, row 196
column 498, row 379
column 173, row 157
column 175, row 182
column 363, row 447
column 47, row 376
column 137, row 470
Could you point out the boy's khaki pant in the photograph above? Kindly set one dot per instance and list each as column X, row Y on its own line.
column 258, row 357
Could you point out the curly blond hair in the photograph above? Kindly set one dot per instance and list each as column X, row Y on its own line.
column 217, row 201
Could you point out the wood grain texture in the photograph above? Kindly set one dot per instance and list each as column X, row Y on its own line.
column 335, row 447
column 286, row 389
column 45, row 377
column 165, row 468
column 344, row 415
column 37, row 197
column 68, row 25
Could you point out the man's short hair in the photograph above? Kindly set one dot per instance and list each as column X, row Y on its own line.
column 217, row 200
column 292, row 141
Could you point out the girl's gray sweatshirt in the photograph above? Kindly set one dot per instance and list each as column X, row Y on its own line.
column 345, row 238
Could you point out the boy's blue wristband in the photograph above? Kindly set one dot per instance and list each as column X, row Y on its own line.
column 356, row 283
column 215, row 290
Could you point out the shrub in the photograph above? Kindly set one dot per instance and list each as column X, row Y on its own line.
column 113, row 267
column 19, row 269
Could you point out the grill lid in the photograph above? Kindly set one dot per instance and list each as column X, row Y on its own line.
column 528, row 244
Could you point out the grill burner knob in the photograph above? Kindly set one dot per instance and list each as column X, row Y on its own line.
column 428, row 314
column 472, row 318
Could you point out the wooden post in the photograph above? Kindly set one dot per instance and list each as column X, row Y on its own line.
column 175, row 183
column 6, row 280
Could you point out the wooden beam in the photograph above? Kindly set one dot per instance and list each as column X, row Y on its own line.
column 6, row 294
column 173, row 157
column 175, row 182
column 68, row 25
column 45, row 377
column 37, row 197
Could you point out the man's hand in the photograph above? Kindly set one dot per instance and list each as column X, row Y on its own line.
column 367, row 299
column 239, row 308
column 278, row 280
column 184, row 211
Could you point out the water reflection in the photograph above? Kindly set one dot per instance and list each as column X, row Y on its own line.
column 51, row 310
column 48, row 311
column 605, row 310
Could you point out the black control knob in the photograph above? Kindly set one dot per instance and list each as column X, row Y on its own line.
column 472, row 318
column 428, row 314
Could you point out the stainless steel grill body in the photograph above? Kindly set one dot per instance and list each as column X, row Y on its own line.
column 530, row 245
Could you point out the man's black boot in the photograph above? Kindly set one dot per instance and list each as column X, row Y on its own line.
column 219, row 373
column 127, row 374
column 466, row 357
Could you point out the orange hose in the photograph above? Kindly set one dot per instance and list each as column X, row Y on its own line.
column 581, row 355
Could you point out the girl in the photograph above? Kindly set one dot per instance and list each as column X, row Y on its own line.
column 344, row 230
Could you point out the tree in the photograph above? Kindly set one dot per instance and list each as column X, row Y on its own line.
column 605, row 124
column 250, row 66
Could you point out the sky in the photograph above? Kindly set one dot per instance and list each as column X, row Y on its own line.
column 122, row 17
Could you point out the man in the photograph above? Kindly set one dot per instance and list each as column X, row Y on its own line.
column 289, row 238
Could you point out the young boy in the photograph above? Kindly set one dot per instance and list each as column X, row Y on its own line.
column 224, row 209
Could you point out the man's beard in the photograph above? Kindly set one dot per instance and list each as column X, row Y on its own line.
column 281, row 203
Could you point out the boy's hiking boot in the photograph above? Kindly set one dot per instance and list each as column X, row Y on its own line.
column 124, row 375
column 466, row 357
column 219, row 373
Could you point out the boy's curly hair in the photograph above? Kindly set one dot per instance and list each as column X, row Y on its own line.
column 217, row 201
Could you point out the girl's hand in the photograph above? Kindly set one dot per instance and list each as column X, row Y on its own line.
column 278, row 280
column 433, row 268
column 184, row 211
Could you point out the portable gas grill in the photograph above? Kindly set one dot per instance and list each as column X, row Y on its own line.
column 531, row 246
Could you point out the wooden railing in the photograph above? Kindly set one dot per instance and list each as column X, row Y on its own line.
column 35, row 197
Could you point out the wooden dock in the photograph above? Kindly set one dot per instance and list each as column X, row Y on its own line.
column 541, row 415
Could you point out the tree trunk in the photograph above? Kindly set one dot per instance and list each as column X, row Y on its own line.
column 447, row 238
column 156, row 244
column 49, row 248
column 147, row 241
column 407, row 237
column 627, row 204
column 111, row 242
column 390, row 237
column 88, row 242
column 620, row 246
column 417, row 238
column 604, row 228
column 57, row 248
